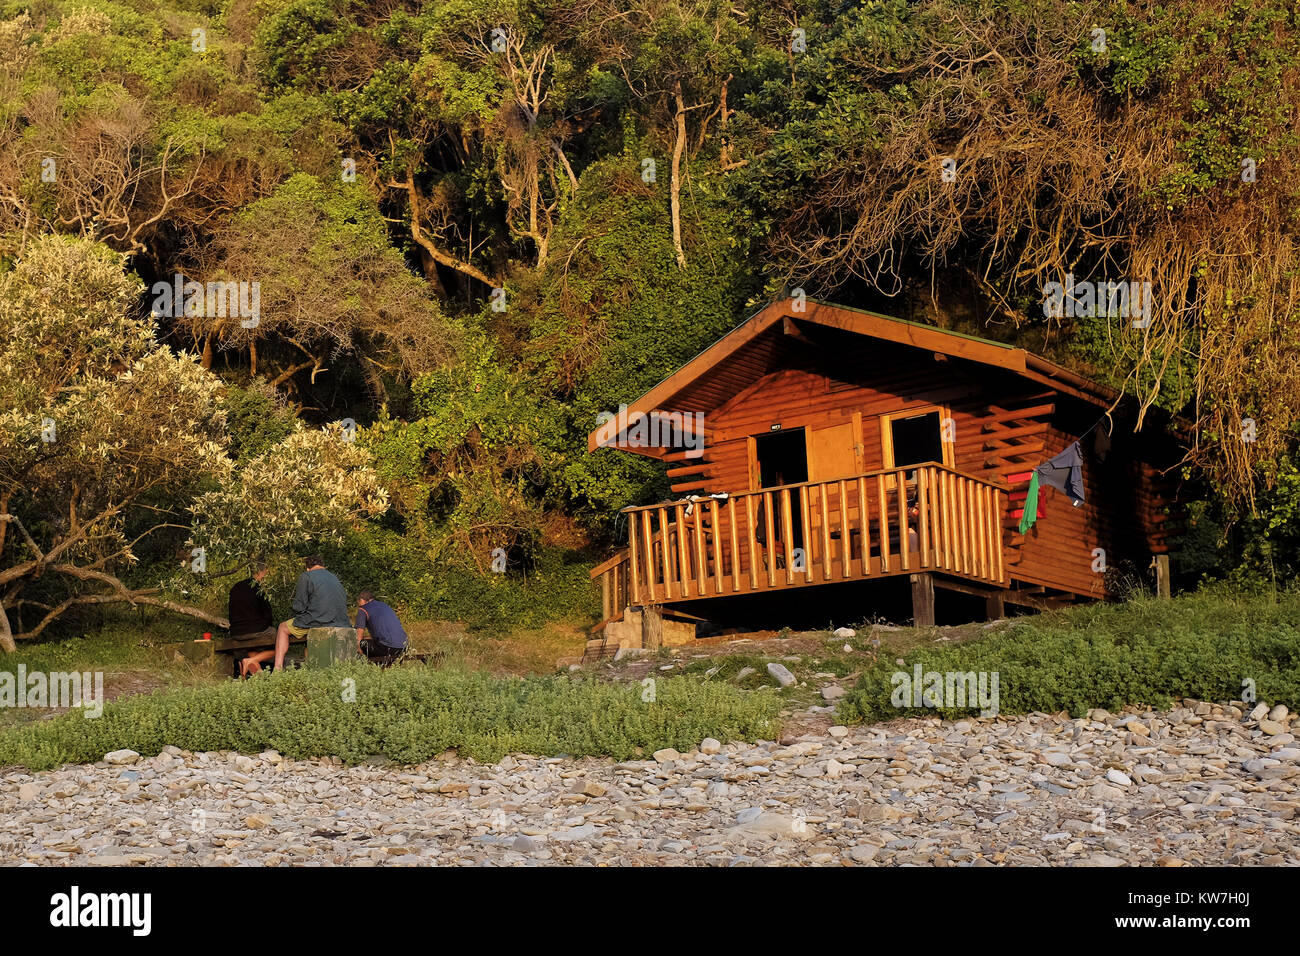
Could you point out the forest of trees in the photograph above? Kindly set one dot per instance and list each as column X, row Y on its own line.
column 476, row 224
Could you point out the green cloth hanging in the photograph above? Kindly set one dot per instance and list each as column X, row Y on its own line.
column 1030, row 514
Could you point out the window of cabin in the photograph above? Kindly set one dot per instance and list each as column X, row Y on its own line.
column 911, row 438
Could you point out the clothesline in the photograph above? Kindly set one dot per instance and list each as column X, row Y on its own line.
column 1104, row 416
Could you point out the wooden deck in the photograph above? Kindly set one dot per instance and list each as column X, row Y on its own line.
column 896, row 521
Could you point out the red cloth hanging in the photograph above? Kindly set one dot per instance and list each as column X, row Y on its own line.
column 1018, row 497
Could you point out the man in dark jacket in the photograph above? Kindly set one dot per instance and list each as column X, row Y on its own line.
column 250, row 611
column 251, row 618
column 318, row 601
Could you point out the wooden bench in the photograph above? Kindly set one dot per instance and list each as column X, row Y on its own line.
column 322, row 646
column 239, row 649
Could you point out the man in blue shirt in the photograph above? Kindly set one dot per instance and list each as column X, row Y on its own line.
column 387, row 637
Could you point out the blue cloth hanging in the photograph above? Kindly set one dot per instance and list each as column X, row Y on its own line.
column 1064, row 473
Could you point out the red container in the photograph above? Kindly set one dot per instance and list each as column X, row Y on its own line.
column 207, row 635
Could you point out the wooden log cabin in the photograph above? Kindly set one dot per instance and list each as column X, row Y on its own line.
column 818, row 446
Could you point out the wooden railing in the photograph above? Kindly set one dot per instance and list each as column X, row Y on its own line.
column 919, row 518
column 614, row 595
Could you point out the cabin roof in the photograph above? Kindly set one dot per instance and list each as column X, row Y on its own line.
column 754, row 348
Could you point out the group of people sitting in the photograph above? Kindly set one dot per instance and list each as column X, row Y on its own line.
column 318, row 601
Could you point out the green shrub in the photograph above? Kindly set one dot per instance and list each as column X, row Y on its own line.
column 1144, row 652
column 557, row 589
column 408, row 714
column 399, row 568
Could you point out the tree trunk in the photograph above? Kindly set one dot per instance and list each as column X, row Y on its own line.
column 446, row 259
column 429, row 266
column 4, row 525
column 6, row 635
column 375, row 383
column 564, row 161
column 675, row 200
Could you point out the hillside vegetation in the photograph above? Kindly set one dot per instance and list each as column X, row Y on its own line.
column 474, row 225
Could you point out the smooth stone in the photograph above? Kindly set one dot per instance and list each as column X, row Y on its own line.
column 584, row 832
column 863, row 853
column 781, row 673
column 766, row 824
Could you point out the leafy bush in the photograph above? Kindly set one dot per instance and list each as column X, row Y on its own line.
column 557, row 589
column 408, row 714
column 258, row 419
column 401, row 570
column 1142, row 652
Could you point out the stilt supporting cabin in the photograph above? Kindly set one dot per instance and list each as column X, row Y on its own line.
column 922, row 600
column 817, row 446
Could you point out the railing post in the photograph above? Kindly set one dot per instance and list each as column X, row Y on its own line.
column 631, row 557
column 787, row 533
column 864, row 520
column 683, row 555
column 904, row 525
column 717, row 543
column 949, row 515
column 805, row 526
column 826, row 532
column 882, row 510
column 702, row 561
column 923, row 519
column 667, row 554
column 769, row 548
column 735, row 545
column 963, row 523
column 751, row 542
column 998, row 507
column 846, row 533
column 649, row 553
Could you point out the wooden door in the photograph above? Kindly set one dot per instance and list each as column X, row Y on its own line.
column 835, row 451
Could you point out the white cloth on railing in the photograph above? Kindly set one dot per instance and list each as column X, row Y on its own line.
column 691, row 499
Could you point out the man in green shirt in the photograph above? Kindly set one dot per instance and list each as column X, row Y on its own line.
column 318, row 601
